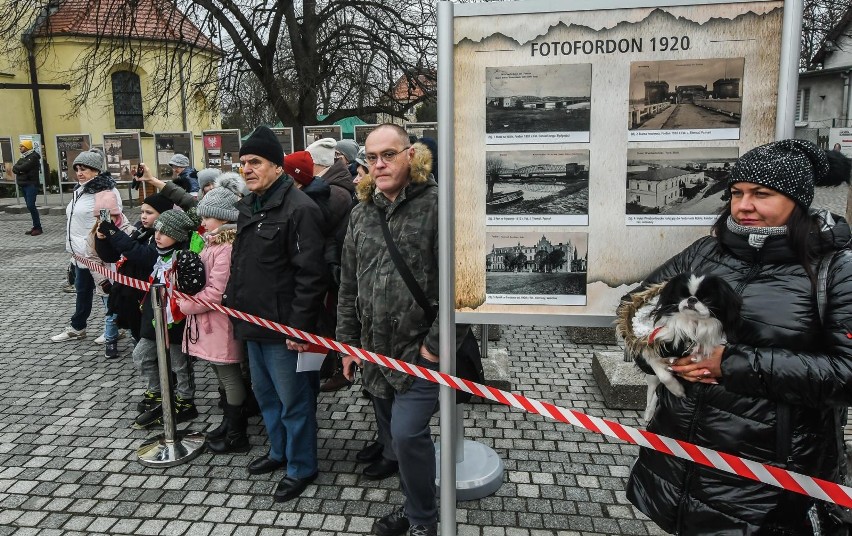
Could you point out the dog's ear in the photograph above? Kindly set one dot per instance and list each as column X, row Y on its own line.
column 669, row 297
column 674, row 290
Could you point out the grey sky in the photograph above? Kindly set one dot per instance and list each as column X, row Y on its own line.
column 539, row 81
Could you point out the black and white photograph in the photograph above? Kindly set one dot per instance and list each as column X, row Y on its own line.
column 536, row 268
column 361, row 133
column 422, row 130
column 165, row 152
column 123, row 151
column 127, row 169
column 68, row 147
column 537, row 187
column 699, row 99
column 318, row 132
column 677, row 186
column 112, row 150
column 538, row 104
column 168, row 144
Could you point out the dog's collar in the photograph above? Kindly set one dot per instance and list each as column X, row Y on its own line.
column 654, row 334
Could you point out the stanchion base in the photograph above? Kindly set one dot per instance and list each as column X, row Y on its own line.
column 157, row 452
column 479, row 475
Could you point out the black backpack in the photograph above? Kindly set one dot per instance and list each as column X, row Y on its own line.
column 190, row 276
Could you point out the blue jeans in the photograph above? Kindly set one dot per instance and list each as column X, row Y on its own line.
column 288, row 403
column 85, row 286
column 110, row 329
column 403, row 423
column 30, row 192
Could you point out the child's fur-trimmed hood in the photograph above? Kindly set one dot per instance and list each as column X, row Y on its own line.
column 421, row 168
column 225, row 234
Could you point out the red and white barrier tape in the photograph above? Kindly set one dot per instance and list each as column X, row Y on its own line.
column 768, row 474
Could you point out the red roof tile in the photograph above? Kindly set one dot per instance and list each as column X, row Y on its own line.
column 157, row 20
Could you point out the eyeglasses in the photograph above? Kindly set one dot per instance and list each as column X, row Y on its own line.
column 387, row 156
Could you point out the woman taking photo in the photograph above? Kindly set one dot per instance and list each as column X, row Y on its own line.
column 92, row 177
column 777, row 390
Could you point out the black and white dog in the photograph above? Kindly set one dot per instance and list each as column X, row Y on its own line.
column 691, row 315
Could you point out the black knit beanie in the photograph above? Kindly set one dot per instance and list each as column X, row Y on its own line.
column 263, row 142
column 791, row 167
column 159, row 202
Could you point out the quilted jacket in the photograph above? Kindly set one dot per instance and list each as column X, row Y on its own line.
column 786, row 381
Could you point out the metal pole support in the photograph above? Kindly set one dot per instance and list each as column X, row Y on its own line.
column 171, row 447
column 479, row 469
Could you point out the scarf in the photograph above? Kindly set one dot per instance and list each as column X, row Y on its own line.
column 99, row 183
column 260, row 200
column 756, row 235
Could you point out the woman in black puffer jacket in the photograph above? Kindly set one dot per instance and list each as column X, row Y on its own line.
column 776, row 392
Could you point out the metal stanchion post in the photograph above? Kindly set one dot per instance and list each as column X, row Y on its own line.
column 171, row 447
column 479, row 469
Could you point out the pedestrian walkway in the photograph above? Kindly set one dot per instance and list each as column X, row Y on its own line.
column 68, row 455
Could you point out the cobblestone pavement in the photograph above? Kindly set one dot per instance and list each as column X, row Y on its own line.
column 68, row 455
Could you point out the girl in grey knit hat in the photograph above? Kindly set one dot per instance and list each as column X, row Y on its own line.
column 209, row 333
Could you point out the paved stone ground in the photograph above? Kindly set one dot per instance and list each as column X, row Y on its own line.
column 68, row 461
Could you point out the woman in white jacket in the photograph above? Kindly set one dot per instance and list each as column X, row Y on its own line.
column 90, row 168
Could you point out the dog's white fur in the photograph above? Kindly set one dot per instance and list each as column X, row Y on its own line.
column 693, row 326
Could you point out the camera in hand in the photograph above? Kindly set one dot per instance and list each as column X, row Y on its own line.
column 140, row 170
column 104, row 214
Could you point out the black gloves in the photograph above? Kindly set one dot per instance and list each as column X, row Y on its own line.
column 106, row 286
column 107, row 228
column 335, row 274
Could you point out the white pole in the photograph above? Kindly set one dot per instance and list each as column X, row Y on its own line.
column 788, row 74
column 446, row 250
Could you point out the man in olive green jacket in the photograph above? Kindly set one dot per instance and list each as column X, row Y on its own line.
column 377, row 312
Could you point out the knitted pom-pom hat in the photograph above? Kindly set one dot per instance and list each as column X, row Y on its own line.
column 176, row 224
column 219, row 203
column 792, row 167
column 92, row 159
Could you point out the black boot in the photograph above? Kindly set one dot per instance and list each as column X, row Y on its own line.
column 250, row 406
column 219, row 433
column 236, row 439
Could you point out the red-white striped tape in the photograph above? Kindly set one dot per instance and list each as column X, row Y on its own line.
column 761, row 472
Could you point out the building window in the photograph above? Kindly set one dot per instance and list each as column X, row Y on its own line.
column 127, row 100
column 803, row 104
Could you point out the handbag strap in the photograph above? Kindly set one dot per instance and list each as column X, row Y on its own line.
column 404, row 271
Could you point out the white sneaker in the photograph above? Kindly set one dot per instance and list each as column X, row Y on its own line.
column 68, row 334
column 102, row 338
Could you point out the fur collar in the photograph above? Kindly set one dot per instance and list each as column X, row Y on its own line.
column 99, row 183
column 634, row 343
column 421, row 168
column 225, row 234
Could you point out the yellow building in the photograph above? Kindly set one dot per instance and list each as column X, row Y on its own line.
column 101, row 69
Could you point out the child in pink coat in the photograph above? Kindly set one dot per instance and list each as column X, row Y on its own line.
column 209, row 334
